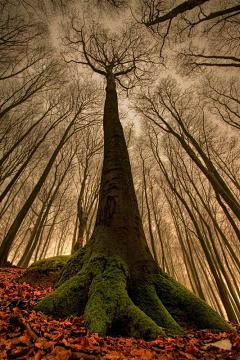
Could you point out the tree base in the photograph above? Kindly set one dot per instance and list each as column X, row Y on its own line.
column 100, row 286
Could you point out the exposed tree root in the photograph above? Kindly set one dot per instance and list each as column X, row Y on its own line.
column 100, row 287
column 100, row 291
column 185, row 307
column 145, row 297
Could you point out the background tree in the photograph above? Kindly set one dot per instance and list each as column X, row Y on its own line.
column 87, row 182
column 222, row 97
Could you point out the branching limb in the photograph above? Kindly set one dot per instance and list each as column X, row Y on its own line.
column 186, row 6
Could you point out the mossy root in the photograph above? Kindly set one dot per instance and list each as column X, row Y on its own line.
column 145, row 297
column 113, row 304
column 187, row 308
column 74, row 264
column 69, row 298
column 110, row 310
column 100, row 291
column 45, row 271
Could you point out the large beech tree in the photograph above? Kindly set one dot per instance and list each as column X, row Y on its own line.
column 114, row 279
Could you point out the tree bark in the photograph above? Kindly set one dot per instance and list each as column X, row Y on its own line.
column 118, row 216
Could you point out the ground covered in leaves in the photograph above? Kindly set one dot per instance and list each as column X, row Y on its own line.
column 25, row 334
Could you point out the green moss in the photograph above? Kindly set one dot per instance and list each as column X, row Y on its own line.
column 144, row 295
column 74, row 264
column 100, row 289
column 44, row 272
column 50, row 264
column 69, row 298
column 185, row 307
column 109, row 309
column 98, row 286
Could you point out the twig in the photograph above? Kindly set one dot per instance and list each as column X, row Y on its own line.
column 19, row 319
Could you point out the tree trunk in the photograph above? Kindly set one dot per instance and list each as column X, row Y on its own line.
column 22, row 262
column 81, row 214
column 114, row 279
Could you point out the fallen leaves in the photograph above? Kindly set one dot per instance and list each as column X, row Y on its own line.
column 25, row 334
column 236, row 343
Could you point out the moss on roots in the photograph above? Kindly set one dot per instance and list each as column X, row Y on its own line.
column 52, row 263
column 74, row 264
column 100, row 286
column 144, row 295
column 99, row 290
column 185, row 307
column 44, row 272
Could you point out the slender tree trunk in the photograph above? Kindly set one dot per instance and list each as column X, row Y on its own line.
column 28, row 253
column 189, row 257
column 81, row 214
column 90, row 222
column 74, row 238
column 16, row 144
column 22, row 262
column 206, row 248
column 148, row 212
column 211, row 173
column 47, row 242
column 164, row 264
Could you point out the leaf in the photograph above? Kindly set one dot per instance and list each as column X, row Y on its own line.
column 5, row 344
column 188, row 356
column 21, row 340
column 169, row 348
column 191, row 349
column 16, row 310
column 194, row 341
column 57, row 337
column 43, row 343
column 168, row 356
column 65, row 342
column 77, row 320
column 162, row 357
column 3, row 355
column 77, row 347
column 60, row 353
column 222, row 344
column 113, row 355
column 94, row 339
column 85, row 342
column 236, row 343
column 24, row 340
column 4, row 316
column 144, row 353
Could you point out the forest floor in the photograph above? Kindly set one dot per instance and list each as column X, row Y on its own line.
column 25, row 334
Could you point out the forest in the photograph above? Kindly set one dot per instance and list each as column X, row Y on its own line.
column 119, row 175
